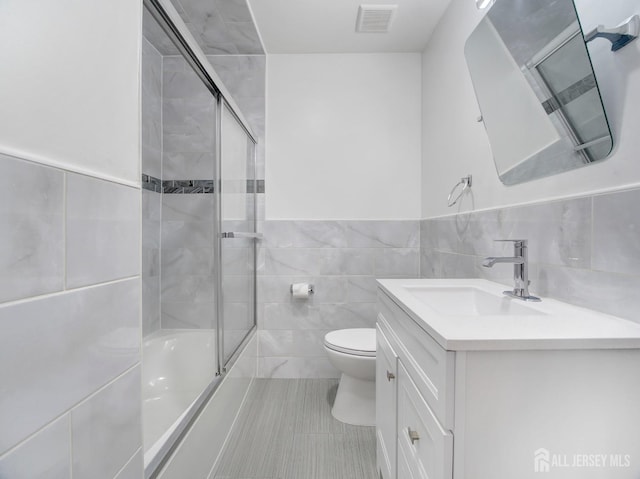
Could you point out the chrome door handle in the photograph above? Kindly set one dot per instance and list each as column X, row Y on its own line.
column 413, row 435
column 241, row 234
column 390, row 376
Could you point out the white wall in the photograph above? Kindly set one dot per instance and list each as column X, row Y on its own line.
column 454, row 144
column 343, row 136
column 69, row 84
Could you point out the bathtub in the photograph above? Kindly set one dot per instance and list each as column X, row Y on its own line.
column 177, row 367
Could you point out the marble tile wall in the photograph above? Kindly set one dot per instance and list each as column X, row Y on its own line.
column 178, row 276
column 188, row 278
column 341, row 259
column 244, row 76
column 31, row 220
column 238, row 284
column 188, row 123
column 187, row 236
column 70, row 321
column 151, row 121
column 151, row 126
column 584, row 251
column 221, row 27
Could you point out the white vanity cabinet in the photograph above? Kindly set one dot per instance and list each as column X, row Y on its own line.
column 426, row 445
column 386, row 397
column 474, row 413
column 410, row 367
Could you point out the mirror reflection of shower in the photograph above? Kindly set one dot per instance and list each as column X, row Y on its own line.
column 536, row 89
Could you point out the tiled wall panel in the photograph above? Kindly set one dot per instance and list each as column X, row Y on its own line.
column 151, row 127
column 187, row 242
column 187, row 279
column 151, row 223
column 616, row 233
column 341, row 259
column 62, row 348
column 581, row 250
column 221, row 26
column 31, row 221
column 151, row 124
column 244, row 76
column 132, row 469
column 59, row 349
column 188, row 123
column 46, row 455
column 107, row 429
column 103, row 231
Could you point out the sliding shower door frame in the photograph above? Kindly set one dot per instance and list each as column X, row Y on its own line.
column 222, row 105
column 164, row 13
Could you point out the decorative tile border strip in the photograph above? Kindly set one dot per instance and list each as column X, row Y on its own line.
column 187, row 186
column 173, row 187
column 151, row 183
column 259, row 186
column 569, row 94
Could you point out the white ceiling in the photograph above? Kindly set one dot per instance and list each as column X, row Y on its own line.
column 328, row 26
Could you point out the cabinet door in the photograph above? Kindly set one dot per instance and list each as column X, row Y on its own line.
column 386, row 374
column 427, row 447
column 431, row 366
column 404, row 468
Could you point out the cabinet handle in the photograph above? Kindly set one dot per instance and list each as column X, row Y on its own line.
column 413, row 435
column 390, row 376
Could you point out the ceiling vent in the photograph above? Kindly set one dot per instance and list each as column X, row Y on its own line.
column 375, row 18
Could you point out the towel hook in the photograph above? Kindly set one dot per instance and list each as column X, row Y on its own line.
column 465, row 182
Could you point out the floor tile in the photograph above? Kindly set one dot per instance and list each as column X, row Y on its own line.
column 286, row 431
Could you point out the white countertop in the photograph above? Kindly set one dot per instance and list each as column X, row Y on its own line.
column 555, row 325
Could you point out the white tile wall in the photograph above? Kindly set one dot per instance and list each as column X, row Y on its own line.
column 103, row 231
column 581, row 250
column 46, row 455
column 107, row 428
column 616, row 230
column 63, row 345
column 62, row 348
column 187, row 280
column 341, row 259
column 132, row 469
column 32, row 239
column 151, row 228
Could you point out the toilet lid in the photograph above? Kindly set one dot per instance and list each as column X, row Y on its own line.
column 359, row 341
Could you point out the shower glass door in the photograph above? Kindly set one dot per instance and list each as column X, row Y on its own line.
column 238, row 225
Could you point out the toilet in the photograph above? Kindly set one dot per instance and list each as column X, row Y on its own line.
column 353, row 353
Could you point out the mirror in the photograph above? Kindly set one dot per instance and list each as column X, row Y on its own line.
column 537, row 92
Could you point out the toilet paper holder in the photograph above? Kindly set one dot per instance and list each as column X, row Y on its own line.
column 311, row 289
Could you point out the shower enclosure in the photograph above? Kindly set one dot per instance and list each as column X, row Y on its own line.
column 199, row 233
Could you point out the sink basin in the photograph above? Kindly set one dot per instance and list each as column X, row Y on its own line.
column 469, row 301
column 472, row 314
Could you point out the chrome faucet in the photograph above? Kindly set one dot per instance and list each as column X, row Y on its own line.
column 520, row 263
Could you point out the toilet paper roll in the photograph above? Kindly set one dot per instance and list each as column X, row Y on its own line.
column 300, row 290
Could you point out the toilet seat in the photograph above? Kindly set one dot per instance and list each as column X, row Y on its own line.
column 357, row 341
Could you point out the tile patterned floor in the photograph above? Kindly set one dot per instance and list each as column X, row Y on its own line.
column 286, row 431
